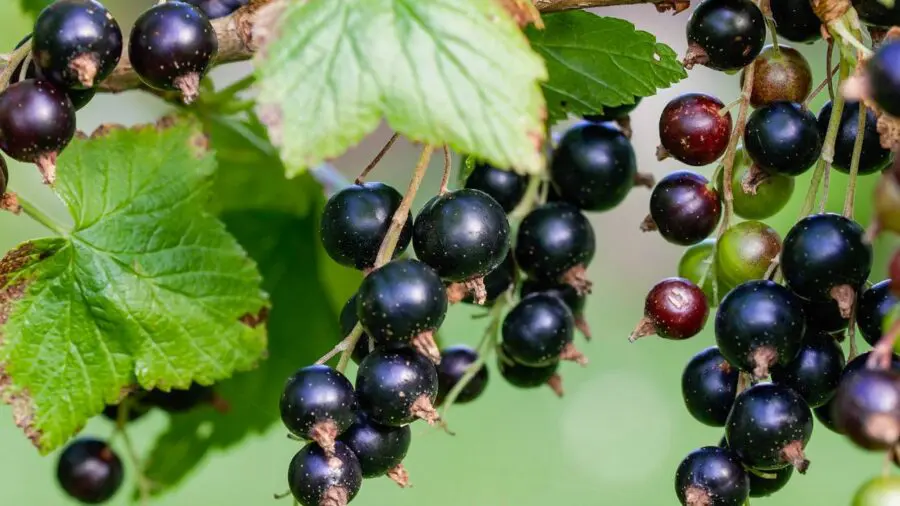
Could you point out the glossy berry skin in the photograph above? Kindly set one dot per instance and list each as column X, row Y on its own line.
column 391, row 381
column 504, row 186
column 825, row 416
column 867, row 408
column 677, row 308
column 613, row 113
column 685, row 208
column 874, row 305
column 708, row 387
column 497, row 282
column 783, row 138
column 553, row 239
column 523, row 376
column 172, row 41
column 348, row 320
column 401, row 300
column 136, row 410
column 215, row 9
column 566, row 293
column 772, row 194
column 824, row 315
column 816, row 371
column 765, row 486
column 537, row 330
column 693, row 130
column 379, row 448
column 780, row 76
column 79, row 98
column 880, row 491
column 730, row 33
column 873, row 157
column 69, row 34
column 455, row 362
column 313, row 475
column 594, row 166
column 873, row 12
column 36, row 119
column 355, row 221
column 884, row 77
column 4, row 175
column 462, row 234
column 694, row 264
column 759, row 324
column 824, row 251
column 89, row 471
column 180, row 400
column 746, row 251
column 795, row 20
column 767, row 419
column 713, row 473
column 314, row 396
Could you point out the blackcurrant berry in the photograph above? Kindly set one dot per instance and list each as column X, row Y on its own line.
column 867, row 408
column 496, row 283
column 348, row 320
column 538, row 331
column 693, row 129
column 462, row 234
column 37, row 121
column 816, row 371
column 711, row 476
column 134, row 405
column 781, row 75
column 556, row 242
column 355, row 221
column 566, row 293
column 795, row 20
column 725, row 34
column 182, row 400
column 783, row 138
column 79, row 98
column 613, row 113
column 826, row 256
column 675, row 308
column 77, row 43
column 523, row 376
column 859, row 363
column 594, row 166
column 873, row 158
column 698, row 264
column 379, row 448
column 708, row 385
column 825, row 415
column 757, row 194
column 765, row 483
column 824, row 315
column 171, row 47
column 746, row 252
column 215, row 9
column 769, row 427
column 875, row 13
column 504, row 186
column 685, row 208
column 318, row 404
column 884, row 77
column 320, row 479
column 403, row 301
column 760, row 324
column 880, row 491
column 455, row 362
column 397, row 386
column 4, row 176
column 875, row 304
column 89, row 471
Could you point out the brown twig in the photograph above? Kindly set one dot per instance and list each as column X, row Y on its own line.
column 736, row 135
column 387, row 147
column 445, row 178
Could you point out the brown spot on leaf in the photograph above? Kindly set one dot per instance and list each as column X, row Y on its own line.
column 22, row 408
column 254, row 321
column 523, row 12
column 106, row 129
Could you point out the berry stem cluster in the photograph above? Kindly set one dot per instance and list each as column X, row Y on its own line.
column 854, row 164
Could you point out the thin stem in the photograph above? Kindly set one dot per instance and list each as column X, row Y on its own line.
column 531, row 197
column 143, row 483
column 854, row 161
column 829, row 60
column 825, row 82
column 445, row 178
column 851, row 332
column 847, row 36
column 41, row 217
column 393, row 234
column 826, row 187
column 348, row 344
column 18, row 56
column 387, row 147
column 736, row 134
column 729, row 106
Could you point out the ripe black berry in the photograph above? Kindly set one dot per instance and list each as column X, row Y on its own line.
column 538, row 331
column 556, row 242
column 37, row 121
column 348, row 320
column 403, row 301
column 816, row 371
column 215, row 9
column 746, row 251
column 693, row 129
column 708, row 386
column 77, row 43
column 795, row 20
column 318, row 404
column 397, row 386
column 675, row 308
column 566, row 293
column 884, row 77
column 462, row 234
column 379, row 448
column 523, row 376
column 783, row 138
column 134, row 405
column 874, row 305
column 825, row 256
column 825, row 415
column 760, row 324
column 867, row 408
column 873, row 157
column 355, row 221
column 769, row 427
column 613, row 113
column 504, row 186
column 875, row 13
column 79, row 98
column 319, row 479
column 89, row 471
column 765, row 483
column 455, row 362
column 711, row 476
column 725, row 34
column 685, row 208
column 183, row 400
column 824, row 315
column 496, row 283
column 781, row 75
column 171, row 47
column 593, row 166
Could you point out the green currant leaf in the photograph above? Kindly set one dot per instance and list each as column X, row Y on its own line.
column 34, row 7
column 595, row 62
column 147, row 289
column 455, row 72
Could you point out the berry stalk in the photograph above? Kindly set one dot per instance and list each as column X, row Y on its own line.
column 15, row 58
column 387, row 147
column 40, row 216
column 731, row 151
column 854, row 163
column 131, row 454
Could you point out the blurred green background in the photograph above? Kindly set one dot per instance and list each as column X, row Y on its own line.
column 616, row 437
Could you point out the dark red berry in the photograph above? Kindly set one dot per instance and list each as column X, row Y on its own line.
column 215, row 9
column 379, row 448
column 711, row 476
column 455, row 363
column 725, row 34
column 89, row 471
column 556, row 242
column 675, row 308
column 884, row 77
column 867, row 408
column 781, row 75
column 318, row 404
column 685, row 208
column 783, row 137
column 504, row 186
column 613, row 113
column 79, row 98
column 537, row 330
column 319, row 479
column 395, row 387
column 873, row 158
column 708, row 386
column 816, row 371
column 693, row 129
column 875, row 304
column 795, row 20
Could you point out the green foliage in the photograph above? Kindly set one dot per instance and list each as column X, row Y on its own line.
column 596, row 62
column 458, row 72
column 34, row 7
column 147, row 289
